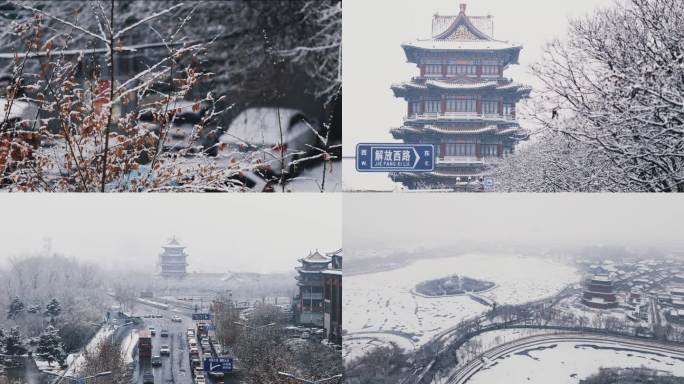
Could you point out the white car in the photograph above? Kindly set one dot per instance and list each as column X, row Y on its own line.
column 164, row 350
column 22, row 112
column 176, row 319
column 262, row 136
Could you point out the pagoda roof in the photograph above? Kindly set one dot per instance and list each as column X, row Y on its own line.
column 173, row 243
column 494, row 129
column 461, row 85
column 315, row 257
column 462, row 33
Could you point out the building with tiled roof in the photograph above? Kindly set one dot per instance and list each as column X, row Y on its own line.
column 460, row 102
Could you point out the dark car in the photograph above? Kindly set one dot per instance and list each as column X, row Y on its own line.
column 164, row 333
column 156, row 361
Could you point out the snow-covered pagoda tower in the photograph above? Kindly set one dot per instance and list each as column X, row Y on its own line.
column 460, row 101
column 172, row 260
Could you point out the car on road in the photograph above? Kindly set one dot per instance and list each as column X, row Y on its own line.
column 200, row 380
column 176, row 319
column 195, row 362
column 306, row 335
column 156, row 361
column 148, row 378
column 199, row 371
column 191, row 333
column 263, row 135
column 152, row 331
column 194, row 351
column 165, row 350
column 164, row 333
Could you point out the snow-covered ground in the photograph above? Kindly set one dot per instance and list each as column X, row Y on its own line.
column 382, row 305
column 568, row 363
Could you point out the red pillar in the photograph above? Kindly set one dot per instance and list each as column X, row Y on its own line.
column 442, row 107
column 422, row 107
column 500, row 107
column 444, row 70
column 479, row 71
column 499, row 150
column 478, row 106
column 442, row 151
column 422, row 70
column 477, row 151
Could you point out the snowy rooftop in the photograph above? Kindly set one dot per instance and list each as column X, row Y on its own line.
column 316, row 257
column 602, row 278
column 461, row 85
column 455, row 45
column 462, row 33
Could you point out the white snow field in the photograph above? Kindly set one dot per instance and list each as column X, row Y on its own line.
column 380, row 306
column 568, row 363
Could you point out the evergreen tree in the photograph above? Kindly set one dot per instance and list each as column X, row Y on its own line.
column 53, row 309
column 16, row 308
column 50, row 346
column 2, row 341
column 12, row 342
column 33, row 309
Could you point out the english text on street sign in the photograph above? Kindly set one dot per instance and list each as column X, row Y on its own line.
column 218, row 364
column 395, row 157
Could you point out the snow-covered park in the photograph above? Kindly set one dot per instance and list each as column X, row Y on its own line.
column 381, row 307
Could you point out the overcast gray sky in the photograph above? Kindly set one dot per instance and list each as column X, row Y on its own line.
column 373, row 59
column 236, row 232
column 410, row 220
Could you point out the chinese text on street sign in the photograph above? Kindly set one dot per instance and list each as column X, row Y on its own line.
column 218, row 364
column 395, row 157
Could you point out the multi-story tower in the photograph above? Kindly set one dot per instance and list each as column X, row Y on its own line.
column 309, row 301
column 172, row 260
column 599, row 292
column 460, row 102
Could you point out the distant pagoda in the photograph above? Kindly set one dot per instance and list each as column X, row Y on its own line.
column 460, row 102
column 599, row 292
column 172, row 260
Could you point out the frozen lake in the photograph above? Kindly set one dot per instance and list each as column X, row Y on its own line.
column 570, row 362
column 382, row 305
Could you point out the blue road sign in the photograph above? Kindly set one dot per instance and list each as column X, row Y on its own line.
column 488, row 183
column 201, row 316
column 395, row 157
column 218, row 364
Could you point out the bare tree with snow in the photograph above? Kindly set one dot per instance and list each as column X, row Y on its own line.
column 613, row 105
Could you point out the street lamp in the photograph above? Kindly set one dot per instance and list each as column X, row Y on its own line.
column 319, row 381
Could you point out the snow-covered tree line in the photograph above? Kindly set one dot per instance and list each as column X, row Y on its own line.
column 94, row 70
column 611, row 109
column 49, row 305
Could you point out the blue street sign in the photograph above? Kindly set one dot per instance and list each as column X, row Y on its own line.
column 201, row 316
column 218, row 364
column 395, row 157
column 488, row 183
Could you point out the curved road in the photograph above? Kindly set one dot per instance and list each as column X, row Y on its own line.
column 463, row 374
